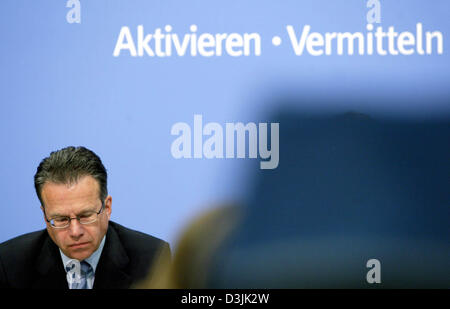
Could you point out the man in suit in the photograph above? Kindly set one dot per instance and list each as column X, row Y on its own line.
column 81, row 247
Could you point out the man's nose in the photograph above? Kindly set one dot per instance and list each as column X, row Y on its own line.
column 75, row 228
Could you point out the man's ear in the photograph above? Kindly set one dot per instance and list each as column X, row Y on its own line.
column 108, row 206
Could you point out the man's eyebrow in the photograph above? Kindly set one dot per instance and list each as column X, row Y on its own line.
column 91, row 209
column 57, row 215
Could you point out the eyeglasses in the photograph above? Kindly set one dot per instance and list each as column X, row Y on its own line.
column 62, row 222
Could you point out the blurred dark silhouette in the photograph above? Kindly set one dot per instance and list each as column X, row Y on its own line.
column 349, row 188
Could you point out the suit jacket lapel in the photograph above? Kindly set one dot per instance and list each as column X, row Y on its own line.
column 111, row 268
column 49, row 268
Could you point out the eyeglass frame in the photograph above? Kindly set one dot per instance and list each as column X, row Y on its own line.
column 70, row 218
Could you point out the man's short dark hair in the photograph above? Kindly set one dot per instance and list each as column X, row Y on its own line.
column 67, row 166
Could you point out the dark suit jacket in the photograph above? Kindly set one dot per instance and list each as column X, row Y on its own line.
column 33, row 260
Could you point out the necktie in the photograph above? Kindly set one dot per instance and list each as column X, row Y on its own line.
column 78, row 273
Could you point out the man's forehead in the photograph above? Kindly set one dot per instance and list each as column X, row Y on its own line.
column 84, row 189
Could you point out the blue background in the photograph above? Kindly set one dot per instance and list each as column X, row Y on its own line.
column 60, row 86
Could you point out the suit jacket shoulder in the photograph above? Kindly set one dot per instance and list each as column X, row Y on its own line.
column 127, row 257
column 19, row 256
column 135, row 242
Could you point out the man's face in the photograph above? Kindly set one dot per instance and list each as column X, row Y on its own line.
column 77, row 241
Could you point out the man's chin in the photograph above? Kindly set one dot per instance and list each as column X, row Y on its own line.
column 78, row 253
